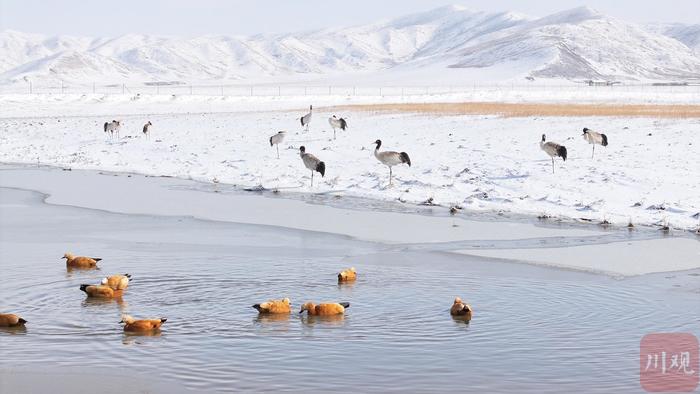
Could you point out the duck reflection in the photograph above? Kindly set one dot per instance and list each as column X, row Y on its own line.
column 462, row 320
column 269, row 318
column 14, row 330
column 312, row 320
column 95, row 302
column 136, row 337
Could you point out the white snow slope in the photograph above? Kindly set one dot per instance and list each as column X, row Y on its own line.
column 648, row 174
column 451, row 41
column 687, row 34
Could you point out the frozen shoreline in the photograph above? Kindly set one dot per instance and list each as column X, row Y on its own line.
column 584, row 248
column 482, row 163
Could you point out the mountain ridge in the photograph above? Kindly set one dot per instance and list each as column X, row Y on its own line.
column 464, row 44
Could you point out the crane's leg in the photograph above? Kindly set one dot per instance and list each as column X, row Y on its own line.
column 390, row 175
column 552, row 165
column 334, row 133
column 278, row 150
column 593, row 154
column 312, row 178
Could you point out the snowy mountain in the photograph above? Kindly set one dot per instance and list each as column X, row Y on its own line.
column 687, row 34
column 449, row 43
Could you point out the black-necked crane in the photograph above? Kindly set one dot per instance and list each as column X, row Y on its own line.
column 112, row 128
column 553, row 150
column 312, row 163
column 390, row 158
column 277, row 140
column 306, row 119
column 337, row 123
column 594, row 138
column 147, row 129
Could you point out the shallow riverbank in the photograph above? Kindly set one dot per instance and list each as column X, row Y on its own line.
column 407, row 226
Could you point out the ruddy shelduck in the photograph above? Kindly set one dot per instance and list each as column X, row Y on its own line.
column 101, row 291
column 132, row 325
column 461, row 309
column 117, row 282
column 329, row 309
column 275, row 306
column 349, row 275
column 80, row 261
column 11, row 320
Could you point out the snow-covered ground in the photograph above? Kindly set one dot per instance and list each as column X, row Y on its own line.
column 648, row 174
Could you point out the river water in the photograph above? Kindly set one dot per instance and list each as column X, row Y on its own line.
column 535, row 329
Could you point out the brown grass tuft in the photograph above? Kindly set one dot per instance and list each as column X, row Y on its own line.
column 533, row 109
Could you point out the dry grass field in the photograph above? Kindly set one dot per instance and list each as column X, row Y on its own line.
column 534, row 109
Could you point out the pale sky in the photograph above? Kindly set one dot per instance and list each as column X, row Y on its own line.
column 231, row 17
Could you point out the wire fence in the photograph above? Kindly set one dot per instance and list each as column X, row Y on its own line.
column 340, row 90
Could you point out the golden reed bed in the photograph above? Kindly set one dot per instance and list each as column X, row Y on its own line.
column 533, row 109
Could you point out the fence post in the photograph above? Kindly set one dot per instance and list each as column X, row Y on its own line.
column 380, row 91
column 304, row 90
column 190, row 90
column 61, row 87
column 222, row 90
column 123, row 88
column 353, row 91
column 279, row 91
column 30, row 87
column 251, row 90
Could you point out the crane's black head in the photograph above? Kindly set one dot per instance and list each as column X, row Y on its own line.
column 311, row 107
column 544, row 138
column 379, row 143
column 302, row 149
column 585, row 130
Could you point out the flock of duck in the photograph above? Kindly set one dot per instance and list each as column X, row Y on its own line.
column 114, row 286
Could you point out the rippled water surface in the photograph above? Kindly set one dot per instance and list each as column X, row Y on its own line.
column 534, row 329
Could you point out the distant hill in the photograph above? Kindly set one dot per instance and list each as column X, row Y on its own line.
column 449, row 44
